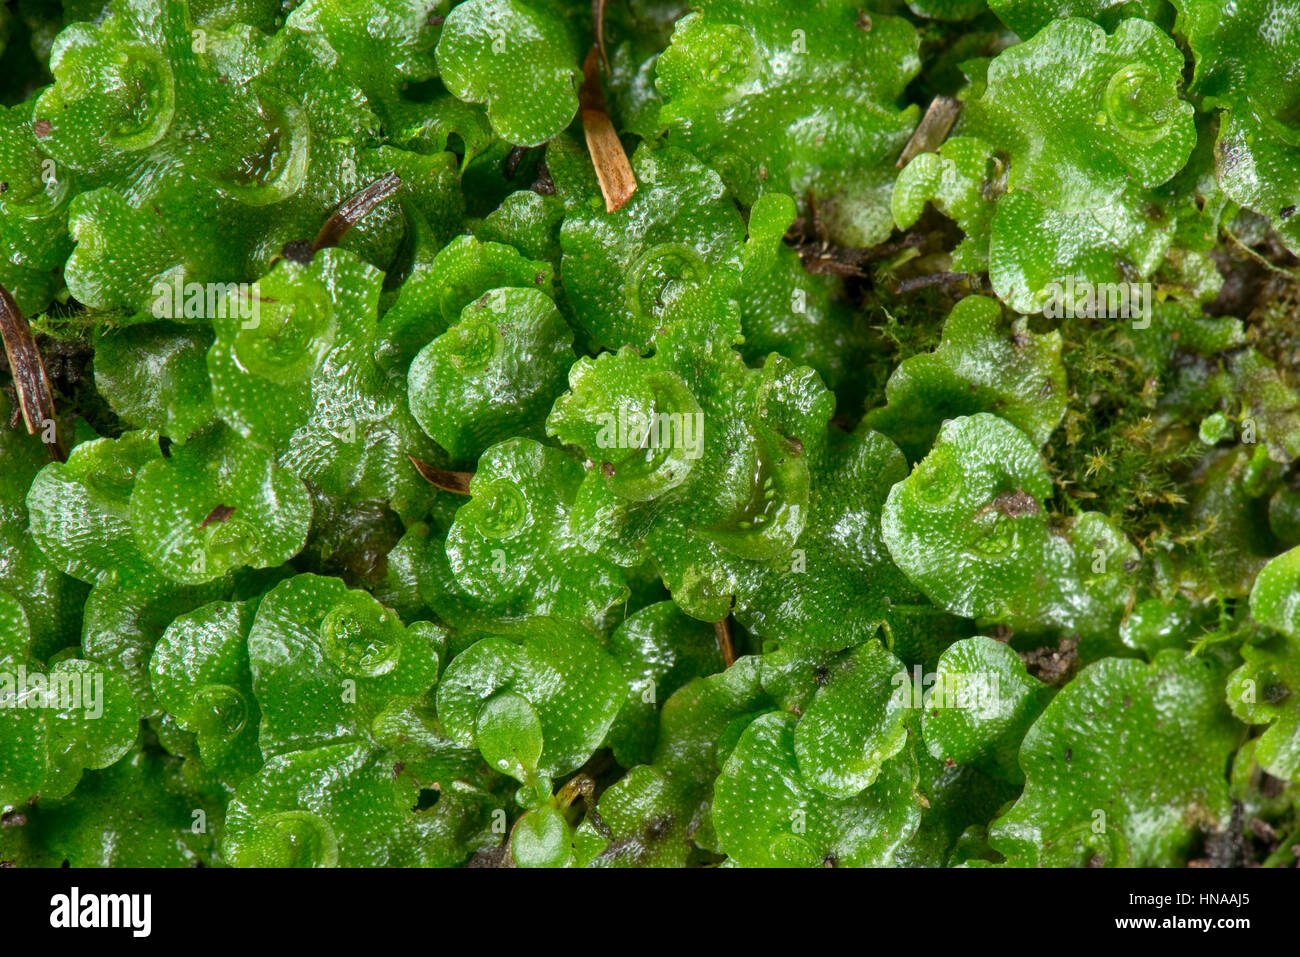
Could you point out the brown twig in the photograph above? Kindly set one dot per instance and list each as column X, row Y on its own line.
column 444, row 479
column 30, row 381
column 617, row 183
column 598, row 18
column 932, row 130
column 354, row 209
column 722, row 629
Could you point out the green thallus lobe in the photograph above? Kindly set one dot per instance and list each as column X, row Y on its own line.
column 494, row 524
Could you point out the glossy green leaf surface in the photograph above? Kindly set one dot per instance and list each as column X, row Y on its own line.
column 969, row 528
column 1263, row 691
column 794, row 100
column 1083, row 796
column 512, row 550
column 557, row 680
column 200, row 672
column 326, row 661
column 624, row 272
column 981, row 365
column 1245, row 56
column 730, row 433
column 492, row 375
column 980, row 705
column 767, row 816
column 1027, row 17
column 1109, row 109
column 173, row 502
column 519, row 58
column 854, row 723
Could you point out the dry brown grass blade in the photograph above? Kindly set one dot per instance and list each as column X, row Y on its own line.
column 355, row 208
column 444, row 479
column 617, row 184
column 932, row 130
column 722, row 629
column 30, row 382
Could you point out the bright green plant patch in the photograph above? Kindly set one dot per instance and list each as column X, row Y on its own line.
column 742, row 433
